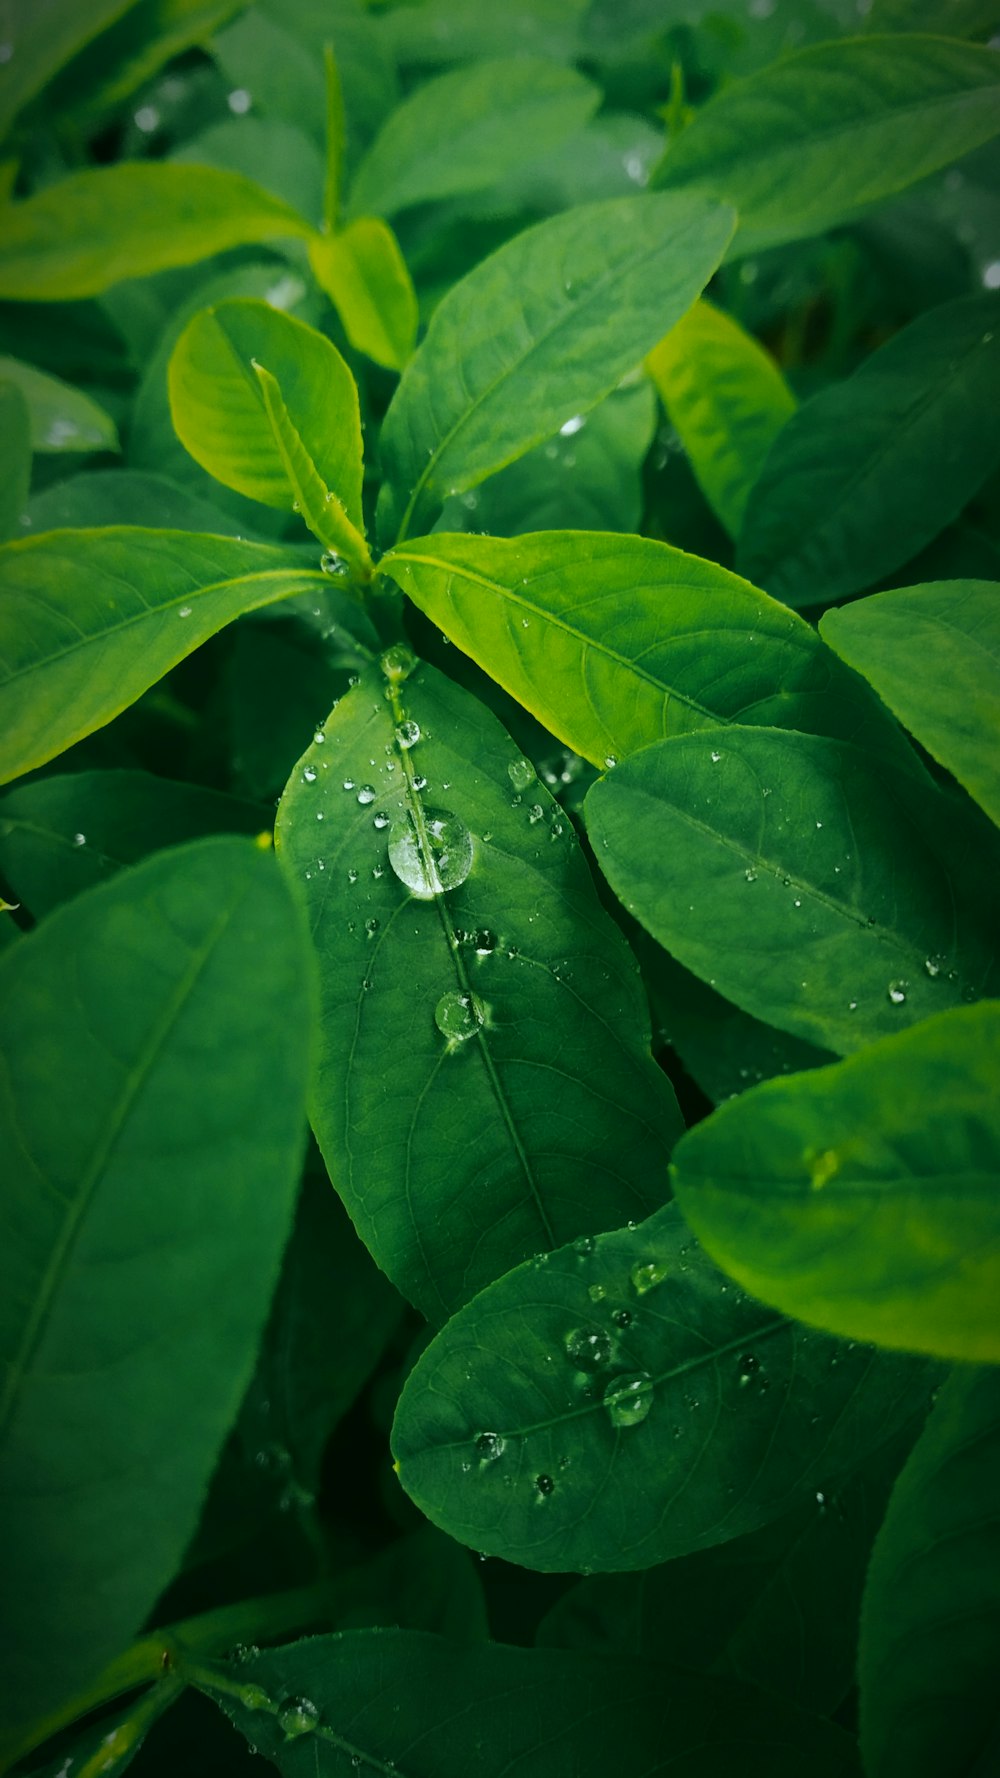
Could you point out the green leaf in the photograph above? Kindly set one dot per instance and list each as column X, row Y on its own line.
column 726, row 400
column 90, row 619
column 141, row 1213
column 613, row 642
column 812, row 138
column 364, row 274
column 62, row 834
column 464, row 130
column 933, row 654
column 622, row 1404
column 931, row 1617
column 62, row 418
column 336, row 140
column 41, row 40
column 491, row 1709
column 839, row 899
column 443, row 32
column 15, row 457
column 539, row 332
column 131, row 51
column 277, row 157
column 485, row 1087
column 89, row 231
column 862, row 1197
column 220, row 410
column 94, row 498
column 874, row 467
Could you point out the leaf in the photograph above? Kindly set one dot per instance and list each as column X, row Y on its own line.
column 727, row 401
column 862, row 1197
column 220, row 409
column 41, row 40
column 838, row 901
column 277, row 157
column 463, row 130
column 613, row 642
column 364, row 274
column 374, row 1696
column 61, row 835
column 931, row 1615
column 623, row 1404
column 810, row 139
column 441, row 32
column 131, row 51
column 140, row 1212
column 524, row 1107
column 90, row 619
column 15, row 457
column 94, row 498
column 62, row 418
column 542, row 330
column 874, row 467
column 92, row 229
column 933, row 654
column 335, row 141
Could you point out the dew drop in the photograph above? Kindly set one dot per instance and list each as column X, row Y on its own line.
column 622, row 1317
column 408, row 733
column 79, row 839
column 489, row 1446
column 544, row 1484
column 535, row 813
column 458, row 1017
column 297, row 1716
column 331, row 563
column 398, row 662
column 521, row 773
column 485, row 942
column 371, row 927
column 435, row 862
column 610, row 762
column 934, row 965
column 596, row 1293
column 750, row 874
column 647, row 1274
column 897, row 992
column 629, row 1399
column 583, row 1247
column 588, row 1349
column 309, row 775
column 366, row 795
column 380, row 821
column 748, row 1367
column 184, row 611
column 715, row 757
column 319, row 737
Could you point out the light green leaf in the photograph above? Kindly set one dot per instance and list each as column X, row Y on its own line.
column 336, row 140
column 493, row 1710
column 933, row 654
column 613, row 642
column 62, row 418
column 87, row 232
column 42, row 37
column 726, row 400
column 813, row 137
column 539, row 332
column 141, row 1213
column 623, row 1404
column 319, row 506
column 15, row 457
column 931, row 1618
column 862, row 1197
column 364, row 274
column 837, row 897
column 220, row 410
column 464, row 130
column 874, row 467
column 521, row 1105
column 90, row 619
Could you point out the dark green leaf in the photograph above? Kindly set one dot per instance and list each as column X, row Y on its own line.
column 62, row 418
column 872, row 468
column 15, row 458
column 930, row 1626
column 623, row 1403
column 809, row 140
column 862, row 1197
column 90, row 619
column 131, row 51
column 933, row 654
column 42, row 40
column 539, row 332
column 364, row 274
column 485, row 1088
column 92, row 499
column 835, row 898
column 144, row 1224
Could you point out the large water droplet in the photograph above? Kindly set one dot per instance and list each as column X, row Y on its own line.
column 629, row 1399
column 398, row 662
column 647, row 1274
column 588, row 1349
column 297, row 1716
column 366, row 795
column 438, row 859
column 521, row 773
column 489, row 1446
column 407, row 733
column 458, row 1017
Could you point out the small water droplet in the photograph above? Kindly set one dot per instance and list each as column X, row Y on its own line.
column 366, row 795
column 484, row 942
column 458, row 1017
column 331, row 563
column 589, row 1349
column 535, row 813
column 407, row 733
column 897, row 992
column 934, row 965
column 584, row 1246
column 380, row 821
column 79, row 839
column 647, row 1274
column 750, row 874
column 309, row 775
column 319, row 737
column 610, row 762
column 398, row 662
column 544, row 1484
column 629, row 1399
column 371, row 927
column 596, row 1293
column 749, row 1365
column 297, row 1716
column 715, row 757
column 622, row 1317
column 184, row 611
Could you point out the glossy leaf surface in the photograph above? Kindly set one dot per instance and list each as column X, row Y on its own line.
column 474, row 1040
column 862, row 1197
column 62, row 418
column 364, row 274
column 15, row 457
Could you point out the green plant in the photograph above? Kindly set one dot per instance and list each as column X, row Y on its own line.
column 516, row 642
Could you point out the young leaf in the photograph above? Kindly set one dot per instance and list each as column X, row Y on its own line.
column 333, row 1703
column 62, row 418
column 41, row 40
column 364, row 274
column 839, row 901
column 874, row 467
column 465, row 129
column 140, row 1212
column 90, row 619
column 809, row 140
column 89, row 231
column 539, row 332
column 623, row 1404
column 931, row 1617
column 613, row 642
column 462, row 948
column 727, row 401
column 862, row 1197
column 15, row 457
column 933, row 654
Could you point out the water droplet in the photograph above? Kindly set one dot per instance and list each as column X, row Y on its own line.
column 622, row 1317
column 348, row 783
column 596, row 1293
column 309, row 775
column 574, row 425
column 319, row 737
column 748, row 1367
column 489, row 1446
column 629, row 1399
column 715, row 757
column 521, row 773
column 352, row 875
column 371, row 927
column 298, row 1716
column 79, row 839
column 544, row 1484
column 934, row 965
column 331, row 563
column 366, row 795
column 610, row 763
column 252, row 1697
column 380, row 821
column 588, row 1348
column 897, row 992
column 407, row 733
column 435, row 860
column 535, row 813
column 647, row 1274
column 750, row 874
column 458, row 1017
column 584, row 1246
column 184, row 611
column 485, row 942
column 319, row 814
column 239, row 101
column 398, row 662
